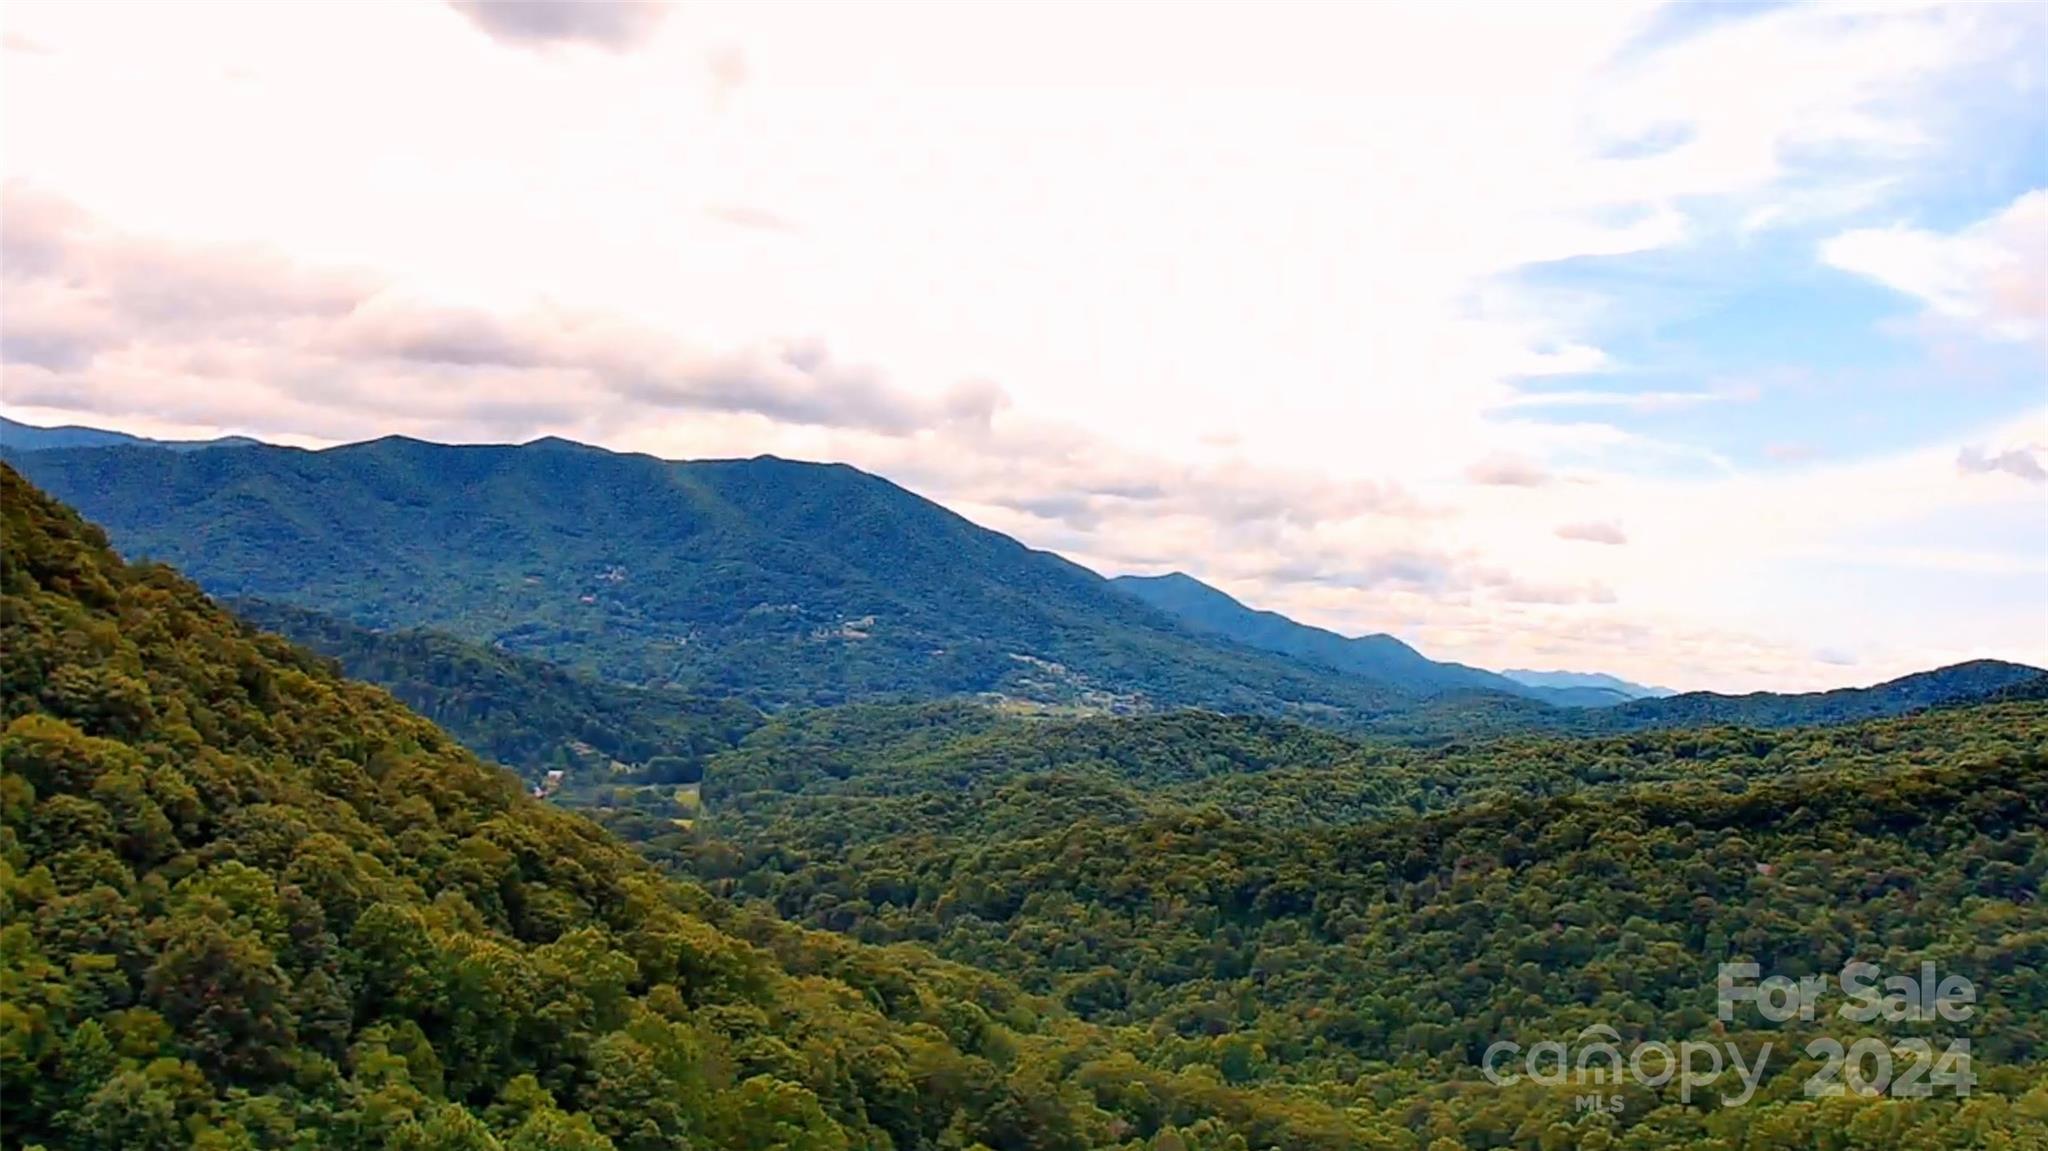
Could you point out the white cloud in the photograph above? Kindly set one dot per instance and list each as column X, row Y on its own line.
column 1992, row 274
column 614, row 25
column 1819, row 203
column 106, row 319
column 727, row 72
column 742, row 216
column 1631, row 401
column 1507, row 470
column 2022, row 462
column 1593, row 532
column 1087, row 214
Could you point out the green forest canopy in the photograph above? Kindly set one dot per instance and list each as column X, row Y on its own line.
column 250, row 904
column 247, row 903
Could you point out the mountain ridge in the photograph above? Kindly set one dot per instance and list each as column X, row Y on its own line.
column 251, row 903
column 1596, row 680
column 1967, row 680
column 39, row 437
column 781, row 581
column 1591, row 706
column 1377, row 655
column 787, row 583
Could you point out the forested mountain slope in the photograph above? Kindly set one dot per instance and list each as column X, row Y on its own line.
column 777, row 581
column 1288, row 905
column 1957, row 683
column 246, row 903
column 522, row 712
column 791, row 584
column 1456, row 716
column 831, row 768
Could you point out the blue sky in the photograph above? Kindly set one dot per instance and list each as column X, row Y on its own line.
column 1807, row 356
column 1702, row 344
column 1823, row 358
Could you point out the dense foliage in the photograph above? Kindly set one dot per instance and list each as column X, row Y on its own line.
column 1286, row 905
column 522, row 712
column 246, row 903
column 852, row 773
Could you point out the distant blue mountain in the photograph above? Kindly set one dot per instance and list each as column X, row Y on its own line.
column 1378, row 656
column 1592, row 680
column 1972, row 681
column 1601, row 701
column 31, row 438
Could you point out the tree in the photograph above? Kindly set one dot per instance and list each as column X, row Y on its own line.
column 227, row 999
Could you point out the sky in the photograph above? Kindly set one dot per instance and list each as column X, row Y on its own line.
column 1699, row 344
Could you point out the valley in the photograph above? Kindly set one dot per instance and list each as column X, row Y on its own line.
column 1046, row 921
column 830, row 575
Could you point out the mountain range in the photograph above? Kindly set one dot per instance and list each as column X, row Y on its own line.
column 34, row 438
column 778, row 583
column 1376, row 656
column 249, row 902
column 1594, row 680
column 1460, row 695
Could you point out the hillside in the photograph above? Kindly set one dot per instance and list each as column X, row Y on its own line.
column 847, row 776
column 1957, row 683
column 525, row 713
column 1291, row 906
column 250, row 904
column 247, row 903
column 781, row 582
column 1462, row 716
